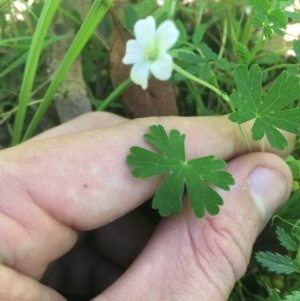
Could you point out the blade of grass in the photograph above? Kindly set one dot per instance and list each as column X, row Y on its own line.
column 43, row 24
column 96, row 13
column 20, row 60
column 12, row 41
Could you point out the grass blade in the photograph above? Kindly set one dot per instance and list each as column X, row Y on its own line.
column 93, row 18
column 43, row 24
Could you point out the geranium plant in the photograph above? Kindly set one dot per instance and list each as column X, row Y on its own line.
column 149, row 51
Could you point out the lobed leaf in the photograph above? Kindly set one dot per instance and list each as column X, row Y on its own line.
column 173, row 147
column 172, row 189
column 266, row 111
column 148, row 163
column 277, row 263
column 202, row 197
column 269, row 17
column 286, row 240
column 197, row 175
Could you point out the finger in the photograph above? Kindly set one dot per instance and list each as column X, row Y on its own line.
column 17, row 287
column 87, row 174
column 201, row 259
column 82, row 181
column 86, row 122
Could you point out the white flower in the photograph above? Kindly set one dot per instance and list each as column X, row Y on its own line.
column 149, row 51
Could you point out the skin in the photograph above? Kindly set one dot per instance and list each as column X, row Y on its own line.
column 71, row 186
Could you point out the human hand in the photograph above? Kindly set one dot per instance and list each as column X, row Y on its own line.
column 75, row 178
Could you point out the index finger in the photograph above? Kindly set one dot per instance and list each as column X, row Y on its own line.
column 82, row 179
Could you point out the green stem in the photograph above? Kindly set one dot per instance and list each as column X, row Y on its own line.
column 224, row 96
column 247, row 30
column 170, row 6
column 262, row 145
column 281, row 66
column 285, row 221
column 114, row 94
column 257, row 47
column 199, row 12
column 201, row 110
column 204, row 83
column 245, row 139
column 224, row 38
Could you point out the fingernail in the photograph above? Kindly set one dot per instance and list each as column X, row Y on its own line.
column 269, row 189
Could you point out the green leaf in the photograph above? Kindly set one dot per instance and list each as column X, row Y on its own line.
column 208, row 52
column 190, row 57
column 278, row 20
column 293, row 15
column 283, row 4
column 296, row 228
column 296, row 46
column 198, row 34
column 274, row 262
column 273, row 295
column 130, row 18
column 168, row 197
column 269, row 16
column 196, row 175
column 286, row 240
column 294, row 165
column 294, row 296
column 266, row 110
column 261, row 6
column 243, row 52
column 146, row 7
column 182, row 34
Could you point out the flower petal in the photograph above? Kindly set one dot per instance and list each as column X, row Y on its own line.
column 166, row 35
column 134, row 52
column 144, row 30
column 162, row 68
column 140, row 73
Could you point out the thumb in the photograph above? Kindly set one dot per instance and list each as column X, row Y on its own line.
column 201, row 259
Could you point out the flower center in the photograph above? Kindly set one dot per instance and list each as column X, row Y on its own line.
column 152, row 53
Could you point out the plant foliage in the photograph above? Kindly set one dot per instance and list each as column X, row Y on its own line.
column 215, row 38
column 294, row 296
column 269, row 15
column 286, row 240
column 195, row 175
column 282, row 264
column 266, row 110
column 278, row 263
